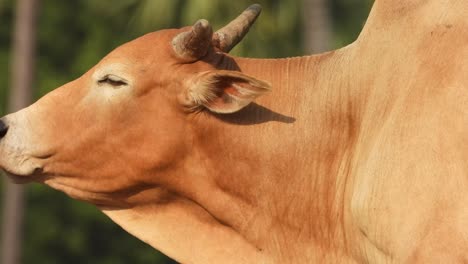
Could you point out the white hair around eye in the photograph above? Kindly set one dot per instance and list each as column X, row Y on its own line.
column 112, row 80
column 115, row 75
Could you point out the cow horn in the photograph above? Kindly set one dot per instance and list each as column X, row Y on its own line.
column 227, row 37
column 194, row 44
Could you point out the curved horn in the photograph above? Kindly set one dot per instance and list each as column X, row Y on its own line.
column 226, row 38
column 193, row 44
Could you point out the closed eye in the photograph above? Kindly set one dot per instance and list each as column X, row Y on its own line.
column 112, row 80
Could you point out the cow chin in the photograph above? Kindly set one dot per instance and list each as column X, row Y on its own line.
column 18, row 179
column 20, row 169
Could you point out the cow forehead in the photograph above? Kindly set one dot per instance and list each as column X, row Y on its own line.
column 133, row 60
column 148, row 48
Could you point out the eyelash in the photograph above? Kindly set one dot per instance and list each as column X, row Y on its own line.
column 112, row 82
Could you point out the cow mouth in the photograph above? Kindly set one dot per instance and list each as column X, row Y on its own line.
column 18, row 179
column 22, row 179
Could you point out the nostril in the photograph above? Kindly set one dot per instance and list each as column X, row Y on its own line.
column 3, row 129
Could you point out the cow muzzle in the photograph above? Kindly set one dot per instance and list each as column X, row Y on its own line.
column 16, row 158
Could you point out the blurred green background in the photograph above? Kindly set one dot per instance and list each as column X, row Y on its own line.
column 75, row 35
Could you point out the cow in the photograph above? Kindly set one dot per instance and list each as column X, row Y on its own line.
column 358, row 155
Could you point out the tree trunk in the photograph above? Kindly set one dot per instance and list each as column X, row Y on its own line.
column 317, row 25
column 23, row 71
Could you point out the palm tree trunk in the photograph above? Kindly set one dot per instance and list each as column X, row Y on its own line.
column 23, row 71
column 317, row 25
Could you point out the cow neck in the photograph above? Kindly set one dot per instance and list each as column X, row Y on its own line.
column 246, row 155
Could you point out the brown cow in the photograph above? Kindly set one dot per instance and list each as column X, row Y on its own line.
column 357, row 155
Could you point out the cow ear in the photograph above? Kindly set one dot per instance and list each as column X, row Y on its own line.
column 222, row 91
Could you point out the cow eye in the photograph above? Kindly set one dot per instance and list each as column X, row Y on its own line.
column 112, row 80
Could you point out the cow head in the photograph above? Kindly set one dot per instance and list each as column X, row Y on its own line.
column 126, row 122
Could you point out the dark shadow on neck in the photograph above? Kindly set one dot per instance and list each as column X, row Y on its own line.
column 254, row 114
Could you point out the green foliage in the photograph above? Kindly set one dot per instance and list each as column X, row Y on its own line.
column 72, row 37
column 349, row 17
column 5, row 27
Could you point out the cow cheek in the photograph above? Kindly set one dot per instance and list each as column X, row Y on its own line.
column 120, row 150
column 156, row 137
column 155, row 148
